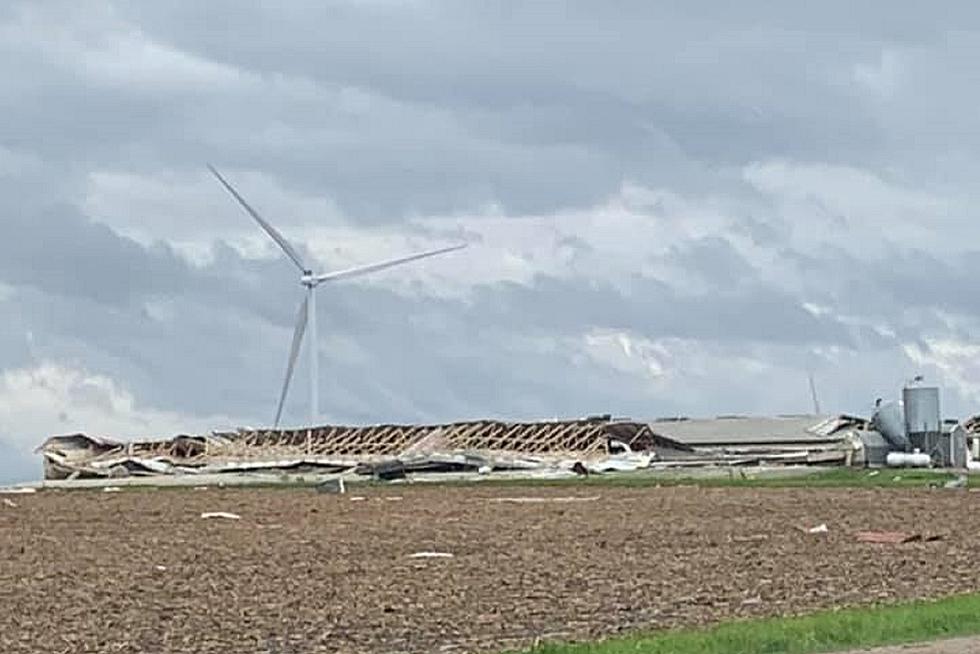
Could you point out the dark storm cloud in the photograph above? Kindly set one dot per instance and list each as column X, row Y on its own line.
column 224, row 349
column 520, row 108
column 63, row 253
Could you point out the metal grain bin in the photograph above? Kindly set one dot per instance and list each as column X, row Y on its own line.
column 889, row 420
column 922, row 414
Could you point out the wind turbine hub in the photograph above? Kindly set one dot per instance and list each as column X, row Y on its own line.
column 307, row 314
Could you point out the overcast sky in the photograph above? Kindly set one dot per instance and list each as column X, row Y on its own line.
column 670, row 210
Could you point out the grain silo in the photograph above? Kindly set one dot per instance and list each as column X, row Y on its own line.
column 922, row 415
column 923, row 421
column 926, row 430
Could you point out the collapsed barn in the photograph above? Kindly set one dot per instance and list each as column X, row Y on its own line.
column 594, row 445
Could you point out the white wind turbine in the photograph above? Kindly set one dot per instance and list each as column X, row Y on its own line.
column 306, row 320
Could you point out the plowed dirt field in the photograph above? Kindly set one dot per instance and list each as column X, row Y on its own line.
column 308, row 572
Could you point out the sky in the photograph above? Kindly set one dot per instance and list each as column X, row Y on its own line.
column 670, row 209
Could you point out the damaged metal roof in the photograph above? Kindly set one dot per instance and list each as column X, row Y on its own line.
column 766, row 431
column 595, row 444
column 504, row 445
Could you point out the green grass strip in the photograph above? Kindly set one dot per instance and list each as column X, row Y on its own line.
column 827, row 631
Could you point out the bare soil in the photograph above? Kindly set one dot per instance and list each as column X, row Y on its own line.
column 308, row 572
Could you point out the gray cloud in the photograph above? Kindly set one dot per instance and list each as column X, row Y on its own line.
column 646, row 254
column 65, row 254
column 17, row 466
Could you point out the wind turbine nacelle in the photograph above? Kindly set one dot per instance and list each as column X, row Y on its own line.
column 308, row 279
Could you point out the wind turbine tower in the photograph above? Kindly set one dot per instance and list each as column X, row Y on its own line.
column 306, row 319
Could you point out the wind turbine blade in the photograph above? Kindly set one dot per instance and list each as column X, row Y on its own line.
column 293, row 353
column 381, row 265
column 269, row 229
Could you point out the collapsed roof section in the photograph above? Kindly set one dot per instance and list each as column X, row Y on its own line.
column 339, row 448
column 595, row 444
column 972, row 425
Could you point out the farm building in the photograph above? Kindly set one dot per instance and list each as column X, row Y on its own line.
column 596, row 444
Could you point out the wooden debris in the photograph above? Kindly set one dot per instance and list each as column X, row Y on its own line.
column 332, row 486
column 819, row 529
column 337, row 447
column 18, row 490
column 539, row 500
column 431, row 555
column 893, row 537
column 208, row 515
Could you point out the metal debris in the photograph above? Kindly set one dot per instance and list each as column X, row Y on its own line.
column 893, row 537
column 627, row 462
column 335, row 486
column 220, row 514
column 819, row 529
column 336, row 448
column 959, row 482
column 431, row 555
column 541, row 500
column 597, row 444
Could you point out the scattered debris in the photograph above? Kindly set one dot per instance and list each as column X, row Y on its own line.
column 332, row 486
column 386, row 451
column 9, row 503
column 894, row 537
column 358, row 498
column 160, row 568
column 220, row 514
column 431, row 555
column 395, row 498
column 959, row 482
column 819, row 529
column 516, row 570
column 885, row 537
column 388, row 470
column 626, row 462
column 111, row 489
column 539, row 500
column 392, row 452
